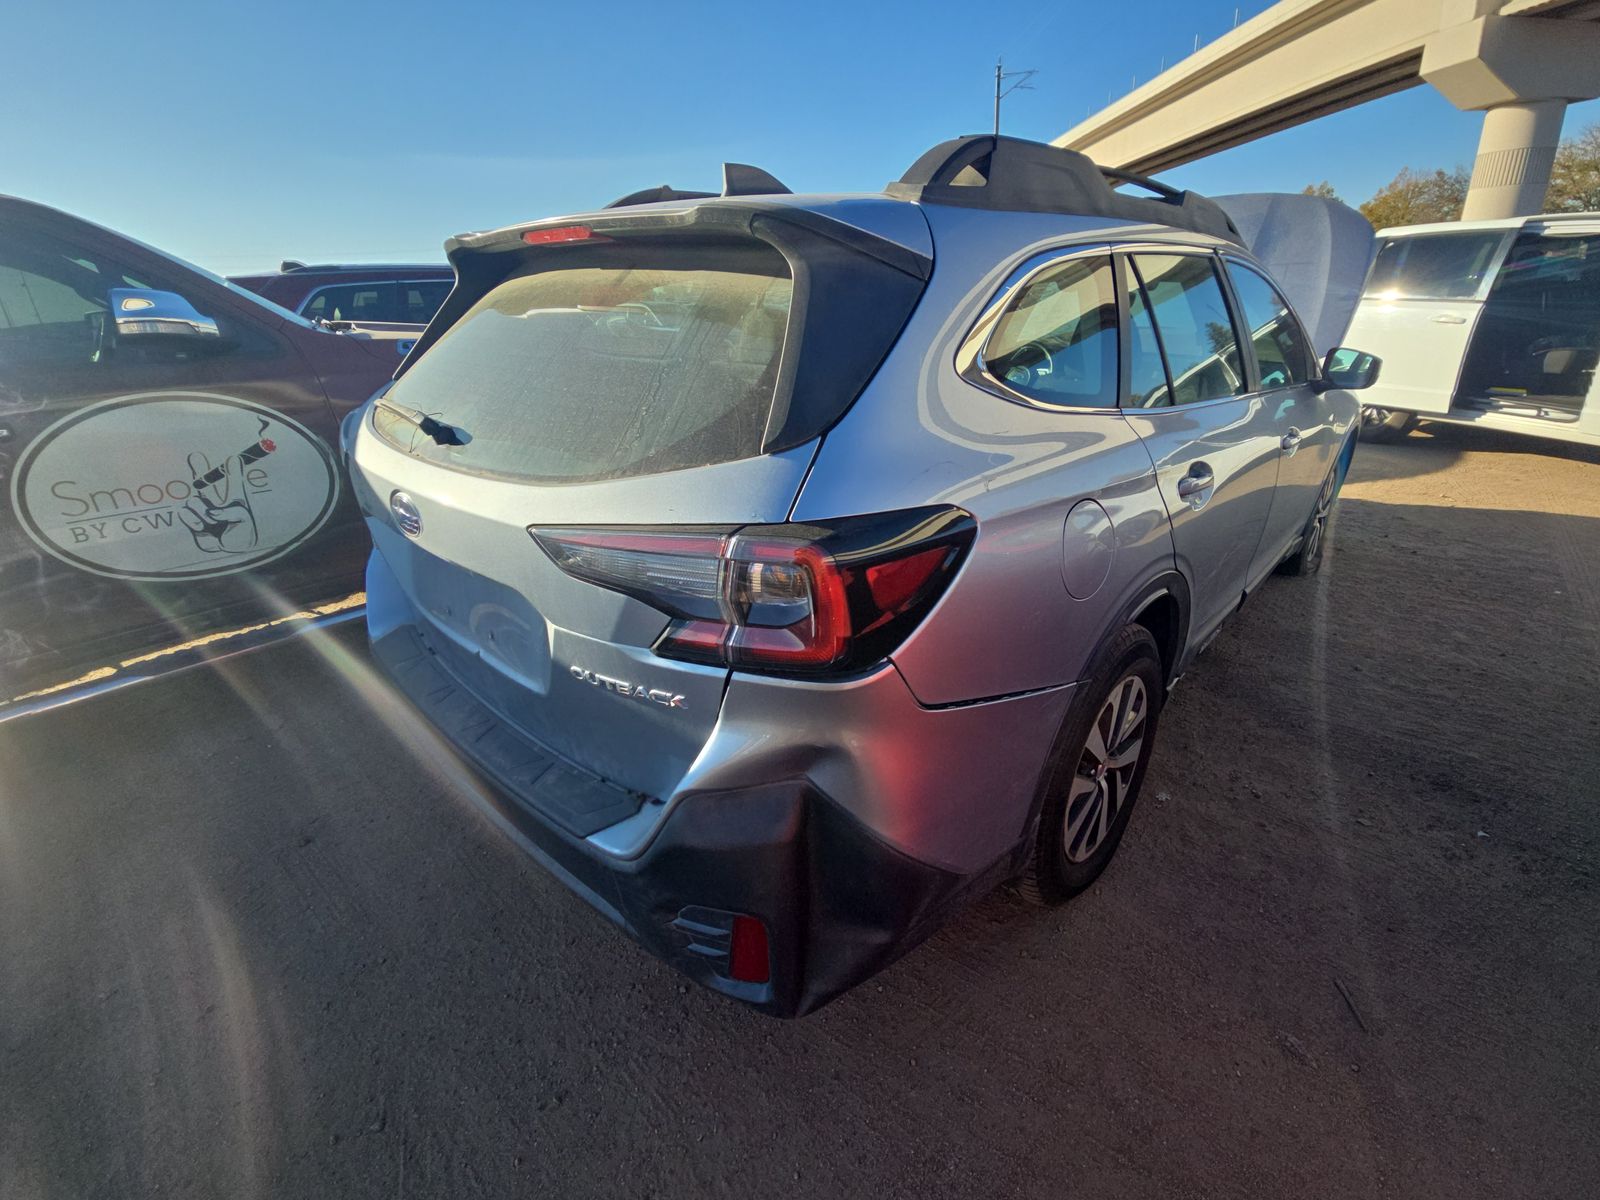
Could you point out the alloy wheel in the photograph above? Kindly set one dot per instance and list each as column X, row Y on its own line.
column 1101, row 784
column 1319, row 521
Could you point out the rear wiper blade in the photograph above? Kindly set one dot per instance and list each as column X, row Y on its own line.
column 441, row 432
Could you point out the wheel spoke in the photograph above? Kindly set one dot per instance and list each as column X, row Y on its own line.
column 1127, row 754
column 1082, row 790
column 1118, row 706
column 1137, row 704
column 1096, row 745
column 1105, row 815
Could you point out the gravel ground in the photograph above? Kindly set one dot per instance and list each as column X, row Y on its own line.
column 256, row 941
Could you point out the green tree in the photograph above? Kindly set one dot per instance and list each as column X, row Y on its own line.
column 1575, row 178
column 1323, row 189
column 1418, row 197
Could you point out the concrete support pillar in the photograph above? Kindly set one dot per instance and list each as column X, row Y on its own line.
column 1520, row 72
column 1515, row 153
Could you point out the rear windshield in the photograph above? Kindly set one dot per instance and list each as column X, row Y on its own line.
column 1448, row 266
column 604, row 371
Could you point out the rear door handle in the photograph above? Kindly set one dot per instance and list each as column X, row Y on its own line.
column 1290, row 442
column 1196, row 485
column 1447, row 319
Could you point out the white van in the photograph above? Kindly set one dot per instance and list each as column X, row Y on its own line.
column 1492, row 323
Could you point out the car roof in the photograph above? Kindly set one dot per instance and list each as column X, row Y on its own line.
column 1002, row 176
column 1477, row 226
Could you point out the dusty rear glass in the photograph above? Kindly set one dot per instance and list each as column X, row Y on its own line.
column 605, row 371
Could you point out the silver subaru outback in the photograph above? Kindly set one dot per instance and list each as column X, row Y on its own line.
column 797, row 568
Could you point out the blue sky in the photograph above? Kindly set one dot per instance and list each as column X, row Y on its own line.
column 237, row 134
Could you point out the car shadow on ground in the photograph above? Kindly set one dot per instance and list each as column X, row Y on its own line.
column 259, row 941
column 1435, row 447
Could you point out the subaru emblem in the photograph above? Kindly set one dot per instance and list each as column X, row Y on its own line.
column 405, row 514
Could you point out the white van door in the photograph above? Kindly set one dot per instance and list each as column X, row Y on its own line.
column 1421, row 303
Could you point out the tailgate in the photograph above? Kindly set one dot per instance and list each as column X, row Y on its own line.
column 567, row 663
column 665, row 369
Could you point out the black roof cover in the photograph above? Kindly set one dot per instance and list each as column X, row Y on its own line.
column 1013, row 175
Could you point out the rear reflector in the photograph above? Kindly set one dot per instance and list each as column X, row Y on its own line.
column 803, row 599
column 749, row 960
column 564, row 233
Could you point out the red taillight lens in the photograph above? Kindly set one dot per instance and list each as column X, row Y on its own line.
column 564, row 233
column 788, row 607
column 805, row 599
column 749, row 960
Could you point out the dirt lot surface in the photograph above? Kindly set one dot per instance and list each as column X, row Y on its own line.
column 256, row 941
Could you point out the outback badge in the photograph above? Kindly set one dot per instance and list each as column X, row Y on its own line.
column 637, row 691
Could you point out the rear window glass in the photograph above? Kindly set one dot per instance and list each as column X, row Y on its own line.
column 1058, row 342
column 1448, row 266
column 600, row 372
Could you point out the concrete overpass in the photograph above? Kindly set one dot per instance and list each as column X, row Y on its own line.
column 1519, row 62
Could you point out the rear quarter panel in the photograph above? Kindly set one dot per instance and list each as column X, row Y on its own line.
column 921, row 434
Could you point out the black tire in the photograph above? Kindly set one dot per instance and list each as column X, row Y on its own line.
column 1059, row 868
column 1307, row 560
column 1382, row 426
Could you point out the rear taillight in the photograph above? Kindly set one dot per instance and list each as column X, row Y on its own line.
column 805, row 599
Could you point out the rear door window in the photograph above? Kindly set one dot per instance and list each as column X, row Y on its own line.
column 419, row 301
column 355, row 302
column 1195, row 327
column 661, row 361
column 1057, row 343
column 1438, row 266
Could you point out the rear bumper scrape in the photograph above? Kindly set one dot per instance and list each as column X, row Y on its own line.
column 838, row 903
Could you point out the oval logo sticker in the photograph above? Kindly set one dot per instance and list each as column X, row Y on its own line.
column 173, row 485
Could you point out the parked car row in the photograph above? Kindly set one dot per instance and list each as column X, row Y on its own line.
column 789, row 591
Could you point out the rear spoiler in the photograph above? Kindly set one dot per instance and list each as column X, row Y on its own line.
column 738, row 179
column 1317, row 249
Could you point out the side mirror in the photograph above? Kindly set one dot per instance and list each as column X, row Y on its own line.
column 141, row 314
column 1349, row 370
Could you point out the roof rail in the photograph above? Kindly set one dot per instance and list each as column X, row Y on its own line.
column 1013, row 175
column 738, row 179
